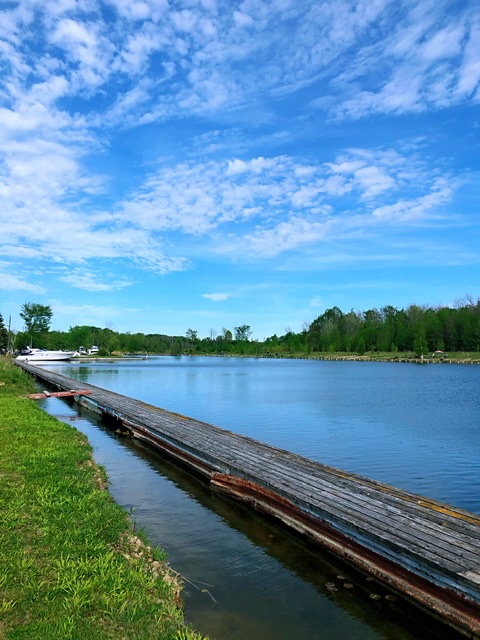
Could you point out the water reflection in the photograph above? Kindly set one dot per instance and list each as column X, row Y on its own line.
column 247, row 577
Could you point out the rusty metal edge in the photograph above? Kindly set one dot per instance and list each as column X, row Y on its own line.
column 156, row 441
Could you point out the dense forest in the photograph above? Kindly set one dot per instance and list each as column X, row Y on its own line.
column 415, row 329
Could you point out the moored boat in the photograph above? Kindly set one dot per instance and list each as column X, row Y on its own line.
column 44, row 355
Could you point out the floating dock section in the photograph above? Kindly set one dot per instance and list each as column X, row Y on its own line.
column 425, row 550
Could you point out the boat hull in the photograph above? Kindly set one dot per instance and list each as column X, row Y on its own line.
column 46, row 356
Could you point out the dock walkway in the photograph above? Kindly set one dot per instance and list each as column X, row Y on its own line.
column 424, row 549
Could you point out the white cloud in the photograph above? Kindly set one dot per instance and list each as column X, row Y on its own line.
column 134, row 57
column 140, row 9
column 89, row 282
column 123, row 110
column 35, row 223
column 420, row 65
column 415, row 209
column 287, row 235
column 316, row 302
column 216, row 297
column 469, row 71
column 242, row 19
column 88, row 314
column 236, row 166
column 290, row 202
column 199, row 49
column 184, row 20
column 374, row 181
column 70, row 33
column 445, row 43
column 10, row 282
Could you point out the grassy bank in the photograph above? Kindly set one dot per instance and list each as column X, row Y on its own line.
column 457, row 357
column 71, row 564
column 460, row 357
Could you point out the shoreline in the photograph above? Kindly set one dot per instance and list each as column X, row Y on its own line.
column 459, row 358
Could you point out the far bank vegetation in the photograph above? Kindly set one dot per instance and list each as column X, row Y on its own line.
column 416, row 330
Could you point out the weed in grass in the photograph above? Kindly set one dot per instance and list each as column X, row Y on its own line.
column 6, row 606
column 66, row 626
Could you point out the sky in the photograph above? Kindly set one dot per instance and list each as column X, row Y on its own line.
column 205, row 164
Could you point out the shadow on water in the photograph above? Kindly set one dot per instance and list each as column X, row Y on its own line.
column 252, row 578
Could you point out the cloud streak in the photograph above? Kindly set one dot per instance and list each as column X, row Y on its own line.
column 196, row 55
column 288, row 201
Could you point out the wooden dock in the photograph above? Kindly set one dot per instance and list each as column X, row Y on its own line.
column 426, row 550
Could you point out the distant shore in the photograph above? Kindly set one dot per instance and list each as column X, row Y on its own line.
column 454, row 359
column 446, row 358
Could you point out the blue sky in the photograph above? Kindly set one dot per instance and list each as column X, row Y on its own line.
column 206, row 164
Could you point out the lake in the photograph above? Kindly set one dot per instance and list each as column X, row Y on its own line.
column 413, row 426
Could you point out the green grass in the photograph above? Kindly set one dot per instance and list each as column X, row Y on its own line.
column 71, row 566
column 454, row 357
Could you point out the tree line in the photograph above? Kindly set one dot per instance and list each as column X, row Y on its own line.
column 414, row 329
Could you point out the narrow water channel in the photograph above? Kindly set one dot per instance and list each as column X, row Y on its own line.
column 245, row 578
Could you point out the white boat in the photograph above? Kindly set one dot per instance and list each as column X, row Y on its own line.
column 44, row 355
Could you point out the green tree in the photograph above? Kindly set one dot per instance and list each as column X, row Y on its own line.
column 191, row 335
column 133, row 343
column 420, row 344
column 56, row 340
column 291, row 341
column 416, row 325
column 327, row 332
column 3, row 335
column 82, row 336
column 37, row 318
column 226, row 335
column 352, row 323
column 243, row 332
column 372, row 321
column 361, row 349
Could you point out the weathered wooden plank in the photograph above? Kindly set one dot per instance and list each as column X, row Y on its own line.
column 384, row 510
column 59, row 394
column 130, row 405
column 229, row 460
column 378, row 507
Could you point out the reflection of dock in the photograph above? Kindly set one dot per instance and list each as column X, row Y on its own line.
column 424, row 549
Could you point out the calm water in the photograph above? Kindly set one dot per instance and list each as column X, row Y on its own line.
column 416, row 427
